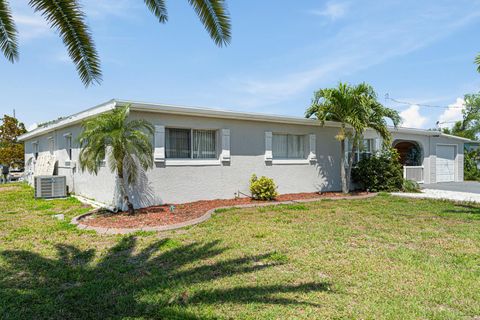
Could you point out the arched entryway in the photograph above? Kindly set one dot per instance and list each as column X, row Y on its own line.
column 410, row 152
column 411, row 158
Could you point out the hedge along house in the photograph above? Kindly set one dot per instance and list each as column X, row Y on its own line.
column 205, row 153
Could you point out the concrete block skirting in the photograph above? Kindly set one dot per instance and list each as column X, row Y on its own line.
column 101, row 230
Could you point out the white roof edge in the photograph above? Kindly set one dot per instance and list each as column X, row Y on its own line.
column 72, row 119
column 203, row 112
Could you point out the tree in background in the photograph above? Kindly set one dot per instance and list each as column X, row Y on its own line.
column 125, row 144
column 357, row 109
column 68, row 19
column 11, row 151
column 469, row 127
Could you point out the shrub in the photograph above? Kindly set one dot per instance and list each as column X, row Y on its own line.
column 380, row 172
column 410, row 186
column 471, row 171
column 263, row 188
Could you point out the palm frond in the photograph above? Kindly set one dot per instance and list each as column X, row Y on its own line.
column 477, row 62
column 215, row 18
column 158, row 8
column 8, row 33
column 68, row 18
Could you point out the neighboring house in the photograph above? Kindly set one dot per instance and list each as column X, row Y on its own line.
column 208, row 154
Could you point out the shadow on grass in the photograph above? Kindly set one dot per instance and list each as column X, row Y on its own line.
column 154, row 282
column 465, row 208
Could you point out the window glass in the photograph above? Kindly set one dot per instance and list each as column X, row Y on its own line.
column 51, row 145
column 204, row 144
column 68, row 146
column 288, row 146
column 190, row 144
column 177, row 144
column 35, row 150
column 364, row 149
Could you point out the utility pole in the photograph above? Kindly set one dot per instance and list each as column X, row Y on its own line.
column 14, row 113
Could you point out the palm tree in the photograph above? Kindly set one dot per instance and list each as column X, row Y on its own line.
column 125, row 144
column 68, row 19
column 357, row 109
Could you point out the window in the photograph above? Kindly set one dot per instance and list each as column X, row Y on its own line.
column 288, row 146
column 35, row 149
column 190, row 144
column 68, row 145
column 51, row 145
column 364, row 149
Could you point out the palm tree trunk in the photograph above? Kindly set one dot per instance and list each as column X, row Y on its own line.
column 123, row 190
column 343, row 168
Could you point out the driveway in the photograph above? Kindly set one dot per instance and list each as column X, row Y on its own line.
column 464, row 186
column 466, row 191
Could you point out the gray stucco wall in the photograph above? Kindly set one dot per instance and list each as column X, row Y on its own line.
column 429, row 144
column 167, row 183
column 247, row 148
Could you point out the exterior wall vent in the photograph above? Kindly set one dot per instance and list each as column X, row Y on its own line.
column 50, row 187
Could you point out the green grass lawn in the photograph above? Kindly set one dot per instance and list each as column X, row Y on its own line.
column 380, row 258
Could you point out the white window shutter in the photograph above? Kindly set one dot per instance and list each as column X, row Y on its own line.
column 312, row 156
column 268, row 146
column 159, row 143
column 225, row 156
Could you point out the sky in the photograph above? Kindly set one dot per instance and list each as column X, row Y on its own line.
column 418, row 52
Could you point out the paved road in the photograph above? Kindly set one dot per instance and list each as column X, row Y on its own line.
column 465, row 186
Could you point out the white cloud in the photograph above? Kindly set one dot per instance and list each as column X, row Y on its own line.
column 332, row 10
column 31, row 26
column 100, row 9
column 361, row 43
column 452, row 114
column 412, row 117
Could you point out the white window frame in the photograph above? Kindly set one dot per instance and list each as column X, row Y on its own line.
column 35, row 150
column 305, row 159
column 68, row 145
column 51, row 145
column 358, row 152
column 193, row 161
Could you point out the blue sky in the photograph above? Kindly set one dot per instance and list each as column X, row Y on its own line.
column 281, row 51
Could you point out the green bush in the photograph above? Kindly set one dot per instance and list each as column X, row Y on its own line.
column 380, row 172
column 410, row 186
column 263, row 188
column 471, row 172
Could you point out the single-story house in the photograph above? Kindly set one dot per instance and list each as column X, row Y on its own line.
column 203, row 153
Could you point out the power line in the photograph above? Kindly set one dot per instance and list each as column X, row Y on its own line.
column 387, row 97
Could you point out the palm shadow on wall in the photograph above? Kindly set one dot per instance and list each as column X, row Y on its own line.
column 73, row 287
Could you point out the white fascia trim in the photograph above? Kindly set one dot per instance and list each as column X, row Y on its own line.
column 223, row 114
column 429, row 133
column 192, row 162
column 73, row 119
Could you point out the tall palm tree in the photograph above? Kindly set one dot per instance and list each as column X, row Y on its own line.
column 357, row 109
column 124, row 143
column 68, row 19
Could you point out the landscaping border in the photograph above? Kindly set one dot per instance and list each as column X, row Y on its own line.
column 101, row 230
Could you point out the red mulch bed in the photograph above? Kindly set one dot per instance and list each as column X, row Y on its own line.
column 161, row 215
